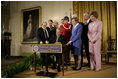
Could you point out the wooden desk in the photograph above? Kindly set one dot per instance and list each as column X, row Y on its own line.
column 64, row 48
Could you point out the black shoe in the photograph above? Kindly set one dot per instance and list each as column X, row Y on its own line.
column 45, row 73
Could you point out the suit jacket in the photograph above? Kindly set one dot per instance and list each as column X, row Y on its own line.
column 40, row 35
column 85, row 30
column 52, row 30
column 94, row 32
column 60, row 39
column 52, row 34
column 76, row 36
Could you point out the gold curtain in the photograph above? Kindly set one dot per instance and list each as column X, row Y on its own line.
column 107, row 13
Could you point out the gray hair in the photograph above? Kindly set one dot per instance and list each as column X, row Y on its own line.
column 60, row 29
column 74, row 15
column 56, row 22
column 43, row 22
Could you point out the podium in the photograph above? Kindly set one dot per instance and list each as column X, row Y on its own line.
column 50, row 48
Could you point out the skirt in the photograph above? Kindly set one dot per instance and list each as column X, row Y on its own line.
column 76, row 51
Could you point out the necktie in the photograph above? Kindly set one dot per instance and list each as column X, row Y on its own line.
column 85, row 22
column 50, row 28
column 45, row 34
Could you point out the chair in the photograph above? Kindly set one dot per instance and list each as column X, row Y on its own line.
column 105, row 54
column 111, row 48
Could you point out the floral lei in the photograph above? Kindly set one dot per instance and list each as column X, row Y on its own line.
column 67, row 28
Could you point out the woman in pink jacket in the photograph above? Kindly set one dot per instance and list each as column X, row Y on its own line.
column 94, row 35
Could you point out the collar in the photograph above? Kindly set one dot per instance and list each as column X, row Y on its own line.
column 50, row 26
column 76, row 25
column 87, row 21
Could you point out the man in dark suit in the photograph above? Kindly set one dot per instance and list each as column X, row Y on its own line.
column 58, row 39
column 52, row 29
column 85, row 38
column 52, row 34
column 43, row 36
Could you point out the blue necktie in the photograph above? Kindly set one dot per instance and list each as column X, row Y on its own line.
column 86, row 23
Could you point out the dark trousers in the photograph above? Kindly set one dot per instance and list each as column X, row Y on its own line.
column 86, row 43
column 59, row 58
column 43, row 57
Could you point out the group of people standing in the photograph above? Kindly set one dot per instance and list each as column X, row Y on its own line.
column 74, row 35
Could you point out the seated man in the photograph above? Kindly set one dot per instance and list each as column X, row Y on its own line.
column 58, row 39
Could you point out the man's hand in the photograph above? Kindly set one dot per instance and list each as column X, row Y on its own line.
column 46, row 42
column 41, row 42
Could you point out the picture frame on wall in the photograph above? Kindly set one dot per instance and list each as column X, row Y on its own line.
column 30, row 22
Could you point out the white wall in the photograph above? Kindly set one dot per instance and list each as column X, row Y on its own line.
column 54, row 10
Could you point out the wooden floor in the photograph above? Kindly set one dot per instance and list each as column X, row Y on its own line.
column 107, row 71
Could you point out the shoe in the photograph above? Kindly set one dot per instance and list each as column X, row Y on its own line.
column 78, row 68
column 45, row 73
column 97, row 70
